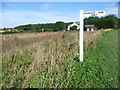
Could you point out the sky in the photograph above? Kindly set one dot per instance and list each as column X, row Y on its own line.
column 21, row 13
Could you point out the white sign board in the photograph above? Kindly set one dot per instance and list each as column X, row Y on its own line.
column 94, row 13
column 82, row 15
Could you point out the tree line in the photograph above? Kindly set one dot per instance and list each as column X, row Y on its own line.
column 48, row 27
column 110, row 21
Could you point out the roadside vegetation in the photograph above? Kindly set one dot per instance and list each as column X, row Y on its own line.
column 50, row 60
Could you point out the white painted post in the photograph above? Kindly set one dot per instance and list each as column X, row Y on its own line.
column 81, row 36
column 86, row 14
column 87, row 29
column 68, row 28
column 91, row 29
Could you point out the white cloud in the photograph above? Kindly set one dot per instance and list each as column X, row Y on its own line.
column 112, row 11
column 14, row 18
column 45, row 6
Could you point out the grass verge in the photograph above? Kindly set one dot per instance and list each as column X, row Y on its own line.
column 56, row 68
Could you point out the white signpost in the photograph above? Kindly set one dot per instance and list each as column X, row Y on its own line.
column 82, row 15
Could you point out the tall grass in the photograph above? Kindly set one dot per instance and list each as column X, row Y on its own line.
column 44, row 59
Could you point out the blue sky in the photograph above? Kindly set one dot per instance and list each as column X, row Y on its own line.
column 20, row 13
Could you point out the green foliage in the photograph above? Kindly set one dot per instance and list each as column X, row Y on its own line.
column 59, row 26
column 11, row 32
column 95, row 71
column 100, row 66
column 110, row 21
column 36, row 27
column 13, row 67
column 92, row 21
column 74, row 28
column 99, row 69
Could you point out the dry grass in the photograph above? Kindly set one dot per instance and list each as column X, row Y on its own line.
column 90, row 37
column 15, row 42
column 49, row 55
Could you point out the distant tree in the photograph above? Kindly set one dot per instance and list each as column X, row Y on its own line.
column 60, row 26
column 110, row 21
column 119, row 23
column 73, row 28
column 92, row 21
column 4, row 28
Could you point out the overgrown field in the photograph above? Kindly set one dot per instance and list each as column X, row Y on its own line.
column 50, row 60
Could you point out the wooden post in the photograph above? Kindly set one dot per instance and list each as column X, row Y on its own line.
column 81, row 36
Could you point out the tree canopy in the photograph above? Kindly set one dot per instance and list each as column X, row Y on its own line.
column 60, row 26
column 110, row 21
